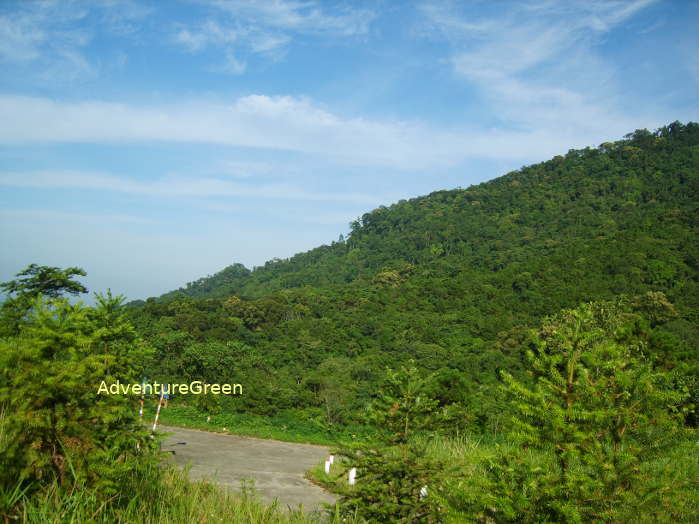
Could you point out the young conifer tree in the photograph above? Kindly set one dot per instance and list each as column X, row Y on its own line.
column 56, row 426
column 396, row 479
column 596, row 415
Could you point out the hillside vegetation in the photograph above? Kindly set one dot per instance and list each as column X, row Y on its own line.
column 452, row 280
column 634, row 199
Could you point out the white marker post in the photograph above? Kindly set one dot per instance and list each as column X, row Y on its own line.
column 157, row 413
column 143, row 393
column 352, row 476
column 327, row 466
column 331, row 458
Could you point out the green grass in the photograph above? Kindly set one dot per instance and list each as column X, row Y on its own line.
column 331, row 481
column 467, row 459
column 290, row 427
column 175, row 500
column 464, row 453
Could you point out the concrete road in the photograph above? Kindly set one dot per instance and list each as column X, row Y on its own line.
column 276, row 467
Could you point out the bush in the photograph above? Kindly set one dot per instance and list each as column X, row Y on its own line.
column 393, row 474
column 597, row 415
column 57, row 427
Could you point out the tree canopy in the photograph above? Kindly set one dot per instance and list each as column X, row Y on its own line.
column 49, row 281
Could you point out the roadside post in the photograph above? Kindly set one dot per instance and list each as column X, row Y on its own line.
column 157, row 412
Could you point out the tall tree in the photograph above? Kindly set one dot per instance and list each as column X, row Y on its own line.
column 33, row 282
column 52, row 282
column 57, row 424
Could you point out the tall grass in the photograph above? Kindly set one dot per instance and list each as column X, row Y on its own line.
column 174, row 499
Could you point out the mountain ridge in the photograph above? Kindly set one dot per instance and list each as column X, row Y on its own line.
column 382, row 238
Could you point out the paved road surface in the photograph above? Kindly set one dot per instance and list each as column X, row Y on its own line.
column 276, row 467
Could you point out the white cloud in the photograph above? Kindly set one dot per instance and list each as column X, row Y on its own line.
column 209, row 33
column 291, row 214
column 53, row 35
column 231, row 65
column 308, row 17
column 243, row 27
column 123, row 17
column 62, row 216
column 257, row 121
column 173, row 186
column 243, row 169
column 535, row 64
column 20, row 38
column 293, row 124
column 267, row 43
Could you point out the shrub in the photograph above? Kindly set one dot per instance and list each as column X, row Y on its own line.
column 57, row 427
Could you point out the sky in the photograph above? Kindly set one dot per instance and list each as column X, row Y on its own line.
column 155, row 142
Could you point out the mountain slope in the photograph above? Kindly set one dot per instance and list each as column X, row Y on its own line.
column 452, row 280
column 632, row 203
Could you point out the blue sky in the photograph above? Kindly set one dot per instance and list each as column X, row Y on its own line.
column 155, row 142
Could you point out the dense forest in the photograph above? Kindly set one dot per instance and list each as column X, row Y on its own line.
column 524, row 350
column 452, row 280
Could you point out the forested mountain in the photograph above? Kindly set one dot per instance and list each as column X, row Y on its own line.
column 632, row 202
column 452, row 280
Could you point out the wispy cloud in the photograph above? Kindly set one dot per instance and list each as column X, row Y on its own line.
column 232, row 65
column 208, row 33
column 39, row 29
column 62, row 216
column 291, row 215
column 20, row 38
column 536, row 64
column 54, row 35
column 245, row 27
column 174, row 186
column 308, row 17
column 294, row 124
column 243, row 169
column 122, row 17
column 255, row 121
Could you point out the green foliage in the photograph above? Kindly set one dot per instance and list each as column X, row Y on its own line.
column 335, row 388
column 35, row 281
column 449, row 285
column 48, row 281
column 290, row 426
column 57, row 427
column 403, row 407
column 597, row 411
column 452, row 280
column 392, row 473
